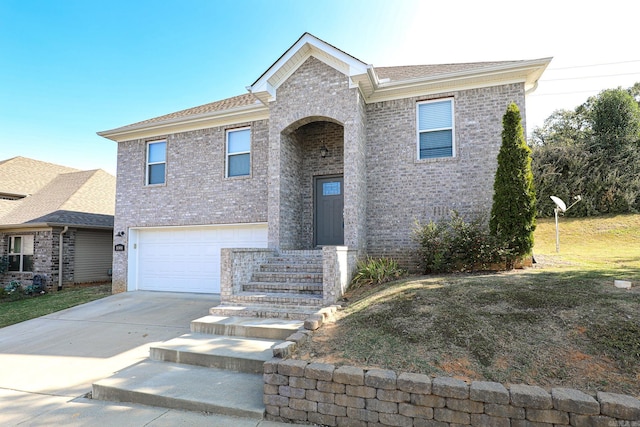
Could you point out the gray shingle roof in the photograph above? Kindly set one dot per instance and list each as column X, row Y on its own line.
column 69, row 197
column 394, row 74
column 225, row 104
column 21, row 175
column 411, row 72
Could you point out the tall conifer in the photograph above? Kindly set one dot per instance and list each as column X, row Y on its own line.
column 513, row 214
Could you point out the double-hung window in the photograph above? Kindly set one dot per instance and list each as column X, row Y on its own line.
column 238, row 152
column 436, row 129
column 156, row 162
column 20, row 253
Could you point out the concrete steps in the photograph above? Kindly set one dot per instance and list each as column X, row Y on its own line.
column 185, row 387
column 276, row 299
column 213, row 351
column 274, row 329
column 216, row 368
column 263, row 311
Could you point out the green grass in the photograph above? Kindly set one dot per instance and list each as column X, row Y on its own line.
column 18, row 310
column 560, row 323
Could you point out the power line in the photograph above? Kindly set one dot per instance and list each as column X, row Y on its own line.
column 594, row 65
column 590, row 77
column 565, row 93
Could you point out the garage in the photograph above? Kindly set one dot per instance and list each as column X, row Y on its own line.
column 186, row 259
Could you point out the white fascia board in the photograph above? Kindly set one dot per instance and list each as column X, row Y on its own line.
column 190, row 123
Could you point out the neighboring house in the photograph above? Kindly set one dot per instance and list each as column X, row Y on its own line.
column 50, row 212
column 324, row 150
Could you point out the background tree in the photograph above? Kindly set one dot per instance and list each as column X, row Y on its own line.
column 593, row 151
column 513, row 214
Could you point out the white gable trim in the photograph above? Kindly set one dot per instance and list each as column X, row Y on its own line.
column 306, row 46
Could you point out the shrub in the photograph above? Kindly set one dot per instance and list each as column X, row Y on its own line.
column 454, row 244
column 372, row 271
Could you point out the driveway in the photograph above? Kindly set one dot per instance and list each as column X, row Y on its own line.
column 47, row 365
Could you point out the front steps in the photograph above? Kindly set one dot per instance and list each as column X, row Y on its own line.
column 288, row 285
column 215, row 369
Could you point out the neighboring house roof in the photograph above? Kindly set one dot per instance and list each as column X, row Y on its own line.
column 375, row 84
column 23, row 176
column 69, row 197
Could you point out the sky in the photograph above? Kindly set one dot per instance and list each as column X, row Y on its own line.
column 71, row 68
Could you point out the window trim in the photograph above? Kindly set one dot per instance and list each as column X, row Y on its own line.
column 22, row 253
column 227, row 155
column 149, row 163
column 451, row 99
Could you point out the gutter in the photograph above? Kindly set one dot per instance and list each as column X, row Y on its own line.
column 66, row 228
column 53, row 224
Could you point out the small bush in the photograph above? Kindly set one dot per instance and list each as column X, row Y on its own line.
column 13, row 291
column 376, row 271
column 454, row 244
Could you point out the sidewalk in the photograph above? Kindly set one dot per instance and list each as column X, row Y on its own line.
column 47, row 365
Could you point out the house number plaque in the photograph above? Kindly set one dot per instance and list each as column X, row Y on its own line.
column 119, row 247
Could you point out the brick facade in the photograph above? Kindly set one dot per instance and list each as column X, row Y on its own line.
column 401, row 188
column 46, row 254
column 196, row 190
column 374, row 146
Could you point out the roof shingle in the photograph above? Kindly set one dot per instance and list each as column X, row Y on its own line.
column 70, row 197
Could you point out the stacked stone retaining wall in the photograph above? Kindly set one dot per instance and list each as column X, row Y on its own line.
column 317, row 393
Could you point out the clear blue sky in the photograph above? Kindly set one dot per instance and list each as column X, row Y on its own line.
column 71, row 68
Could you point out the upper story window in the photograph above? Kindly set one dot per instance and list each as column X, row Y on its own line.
column 156, row 162
column 238, row 152
column 435, row 129
column 20, row 253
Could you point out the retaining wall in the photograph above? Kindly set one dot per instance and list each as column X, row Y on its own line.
column 317, row 393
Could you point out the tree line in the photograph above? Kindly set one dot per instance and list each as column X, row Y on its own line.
column 592, row 151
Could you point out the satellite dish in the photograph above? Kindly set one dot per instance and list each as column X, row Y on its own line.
column 559, row 203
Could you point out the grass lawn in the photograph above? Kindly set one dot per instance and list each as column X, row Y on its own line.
column 18, row 310
column 560, row 323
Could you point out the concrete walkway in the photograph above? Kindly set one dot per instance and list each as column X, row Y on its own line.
column 47, row 365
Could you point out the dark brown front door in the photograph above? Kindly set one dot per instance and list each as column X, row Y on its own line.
column 329, row 206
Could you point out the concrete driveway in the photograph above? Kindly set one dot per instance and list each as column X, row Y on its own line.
column 47, row 365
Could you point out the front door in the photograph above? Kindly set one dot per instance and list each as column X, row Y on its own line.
column 328, row 210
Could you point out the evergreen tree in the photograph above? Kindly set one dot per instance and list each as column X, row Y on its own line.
column 513, row 214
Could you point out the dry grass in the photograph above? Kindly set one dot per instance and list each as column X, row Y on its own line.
column 560, row 323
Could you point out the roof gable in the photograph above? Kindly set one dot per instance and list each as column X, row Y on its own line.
column 374, row 84
column 70, row 197
column 308, row 45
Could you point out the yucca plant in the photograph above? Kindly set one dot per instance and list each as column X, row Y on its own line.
column 375, row 271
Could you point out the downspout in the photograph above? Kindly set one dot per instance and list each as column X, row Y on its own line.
column 66, row 228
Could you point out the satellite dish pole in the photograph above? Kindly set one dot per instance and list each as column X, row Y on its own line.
column 561, row 207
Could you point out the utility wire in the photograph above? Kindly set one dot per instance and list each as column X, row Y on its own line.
column 593, row 65
column 590, row 77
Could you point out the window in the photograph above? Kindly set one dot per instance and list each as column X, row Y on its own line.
column 435, row 129
column 156, row 162
column 238, row 152
column 20, row 253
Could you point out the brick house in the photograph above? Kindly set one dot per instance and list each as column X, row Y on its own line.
column 50, row 212
column 325, row 156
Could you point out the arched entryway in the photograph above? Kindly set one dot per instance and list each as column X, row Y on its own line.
column 312, row 184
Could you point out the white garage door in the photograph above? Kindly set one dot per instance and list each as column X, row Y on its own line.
column 179, row 259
